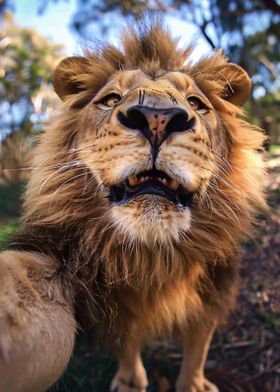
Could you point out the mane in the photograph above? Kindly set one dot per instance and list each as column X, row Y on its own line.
column 59, row 218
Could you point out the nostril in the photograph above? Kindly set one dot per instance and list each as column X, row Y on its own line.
column 126, row 122
column 179, row 122
column 134, row 119
column 139, row 118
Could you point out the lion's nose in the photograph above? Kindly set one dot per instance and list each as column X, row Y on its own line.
column 156, row 124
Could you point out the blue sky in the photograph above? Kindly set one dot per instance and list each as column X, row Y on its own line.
column 54, row 24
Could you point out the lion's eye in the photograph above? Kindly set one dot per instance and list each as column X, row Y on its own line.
column 198, row 105
column 111, row 100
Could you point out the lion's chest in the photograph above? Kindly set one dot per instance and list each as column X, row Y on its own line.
column 145, row 314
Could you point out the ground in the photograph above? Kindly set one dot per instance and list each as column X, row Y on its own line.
column 245, row 352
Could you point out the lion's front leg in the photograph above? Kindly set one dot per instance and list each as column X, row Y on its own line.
column 196, row 341
column 131, row 375
column 37, row 327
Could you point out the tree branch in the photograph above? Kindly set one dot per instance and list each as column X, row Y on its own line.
column 205, row 35
column 272, row 5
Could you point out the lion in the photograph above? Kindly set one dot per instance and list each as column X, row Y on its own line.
column 141, row 191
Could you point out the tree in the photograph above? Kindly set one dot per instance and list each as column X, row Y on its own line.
column 247, row 30
column 26, row 63
column 26, row 97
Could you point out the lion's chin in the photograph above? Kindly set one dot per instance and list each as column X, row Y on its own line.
column 151, row 219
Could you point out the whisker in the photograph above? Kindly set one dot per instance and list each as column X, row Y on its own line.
column 56, row 174
column 67, row 181
column 52, row 166
column 87, row 185
column 70, row 151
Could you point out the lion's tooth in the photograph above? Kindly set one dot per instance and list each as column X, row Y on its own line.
column 173, row 184
column 132, row 180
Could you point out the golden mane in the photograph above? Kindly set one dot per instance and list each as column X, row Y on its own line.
column 59, row 220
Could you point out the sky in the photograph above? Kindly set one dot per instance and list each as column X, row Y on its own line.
column 54, row 24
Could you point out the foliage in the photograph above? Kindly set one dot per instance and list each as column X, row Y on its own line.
column 6, row 231
column 248, row 31
column 239, row 27
column 26, row 64
column 264, row 112
column 269, row 106
column 26, row 97
column 15, row 155
column 10, row 201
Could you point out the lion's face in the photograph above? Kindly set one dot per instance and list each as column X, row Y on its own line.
column 148, row 142
column 150, row 130
column 147, row 173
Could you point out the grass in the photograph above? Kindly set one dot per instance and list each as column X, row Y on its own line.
column 10, row 201
column 9, row 211
column 6, row 230
column 273, row 148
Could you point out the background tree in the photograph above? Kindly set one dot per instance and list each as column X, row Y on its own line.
column 26, row 98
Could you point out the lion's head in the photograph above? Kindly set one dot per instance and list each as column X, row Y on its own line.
column 149, row 149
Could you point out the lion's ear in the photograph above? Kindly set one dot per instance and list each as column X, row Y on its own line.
column 66, row 76
column 237, row 83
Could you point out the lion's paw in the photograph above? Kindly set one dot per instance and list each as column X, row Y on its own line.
column 123, row 386
column 129, row 382
column 198, row 385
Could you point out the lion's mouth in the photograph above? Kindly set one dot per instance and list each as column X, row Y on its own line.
column 150, row 182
